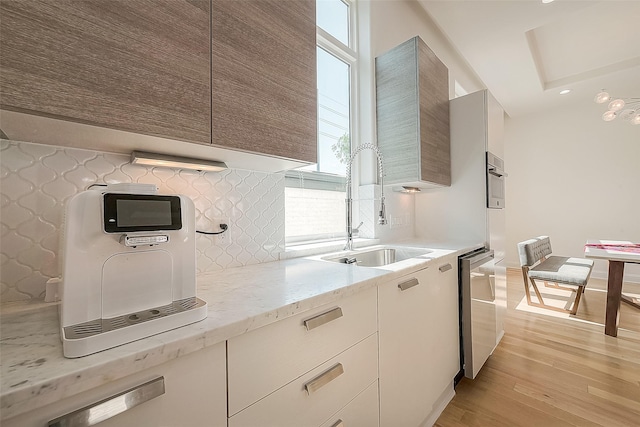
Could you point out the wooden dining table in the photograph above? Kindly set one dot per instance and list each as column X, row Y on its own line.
column 618, row 253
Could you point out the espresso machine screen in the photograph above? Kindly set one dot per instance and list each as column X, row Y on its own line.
column 137, row 212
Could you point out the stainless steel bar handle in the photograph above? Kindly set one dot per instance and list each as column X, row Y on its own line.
column 480, row 259
column 323, row 318
column 408, row 284
column 338, row 423
column 110, row 407
column 496, row 172
column 445, row 267
column 324, row 379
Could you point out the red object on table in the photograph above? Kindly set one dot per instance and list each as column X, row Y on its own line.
column 622, row 247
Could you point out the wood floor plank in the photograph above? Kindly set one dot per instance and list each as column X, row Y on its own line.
column 595, row 365
column 502, row 407
column 616, row 399
column 567, row 409
column 553, row 369
column 543, row 398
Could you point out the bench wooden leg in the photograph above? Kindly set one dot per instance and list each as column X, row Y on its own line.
column 525, row 276
column 574, row 308
column 579, row 293
column 557, row 286
column 537, row 291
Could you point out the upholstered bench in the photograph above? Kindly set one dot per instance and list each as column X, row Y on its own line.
column 538, row 264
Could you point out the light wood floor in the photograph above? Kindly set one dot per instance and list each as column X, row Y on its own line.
column 552, row 369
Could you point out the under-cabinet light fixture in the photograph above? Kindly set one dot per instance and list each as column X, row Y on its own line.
column 406, row 189
column 168, row 161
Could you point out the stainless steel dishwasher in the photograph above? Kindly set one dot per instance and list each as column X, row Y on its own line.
column 477, row 310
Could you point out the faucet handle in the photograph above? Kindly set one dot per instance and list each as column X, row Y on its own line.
column 382, row 216
column 357, row 229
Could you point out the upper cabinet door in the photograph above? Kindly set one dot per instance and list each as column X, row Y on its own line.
column 264, row 77
column 136, row 65
column 435, row 142
column 412, row 95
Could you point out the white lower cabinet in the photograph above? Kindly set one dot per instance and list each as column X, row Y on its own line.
column 419, row 343
column 301, row 370
column 268, row 358
column 384, row 357
column 195, row 395
column 444, row 309
column 312, row 398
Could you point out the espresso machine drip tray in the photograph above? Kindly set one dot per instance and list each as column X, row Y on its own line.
column 100, row 334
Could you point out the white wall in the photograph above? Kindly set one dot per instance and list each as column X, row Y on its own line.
column 396, row 21
column 573, row 177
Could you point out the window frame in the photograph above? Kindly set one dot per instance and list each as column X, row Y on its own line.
column 347, row 54
column 322, row 180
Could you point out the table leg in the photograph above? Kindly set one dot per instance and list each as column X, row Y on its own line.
column 614, row 295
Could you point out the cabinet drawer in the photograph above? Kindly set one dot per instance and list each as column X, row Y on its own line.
column 360, row 412
column 308, row 400
column 194, row 395
column 262, row 361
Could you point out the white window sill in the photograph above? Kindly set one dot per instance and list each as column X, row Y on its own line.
column 309, row 249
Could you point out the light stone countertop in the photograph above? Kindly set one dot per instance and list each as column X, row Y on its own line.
column 35, row 372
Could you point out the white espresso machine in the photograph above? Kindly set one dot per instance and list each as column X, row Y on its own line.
column 128, row 267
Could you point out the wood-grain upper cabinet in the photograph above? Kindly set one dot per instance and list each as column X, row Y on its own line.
column 137, row 65
column 263, row 77
column 412, row 95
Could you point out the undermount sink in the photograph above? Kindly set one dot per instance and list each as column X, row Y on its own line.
column 377, row 257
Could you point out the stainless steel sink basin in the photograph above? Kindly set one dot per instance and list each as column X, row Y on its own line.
column 377, row 257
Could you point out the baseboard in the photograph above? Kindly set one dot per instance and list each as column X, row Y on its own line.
column 600, row 274
column 439, row 406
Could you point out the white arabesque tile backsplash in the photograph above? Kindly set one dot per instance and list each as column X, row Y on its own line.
column 36, row 180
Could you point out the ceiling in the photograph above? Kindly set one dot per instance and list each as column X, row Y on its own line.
column 525, row 51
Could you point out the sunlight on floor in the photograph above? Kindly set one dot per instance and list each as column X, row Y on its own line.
column 590, row 311
column 561, row 301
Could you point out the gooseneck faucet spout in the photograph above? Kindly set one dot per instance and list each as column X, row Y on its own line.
column 382, row 216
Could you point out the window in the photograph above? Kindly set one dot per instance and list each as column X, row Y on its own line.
column 332, row 16
column 333, row 113
column 314, row 195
